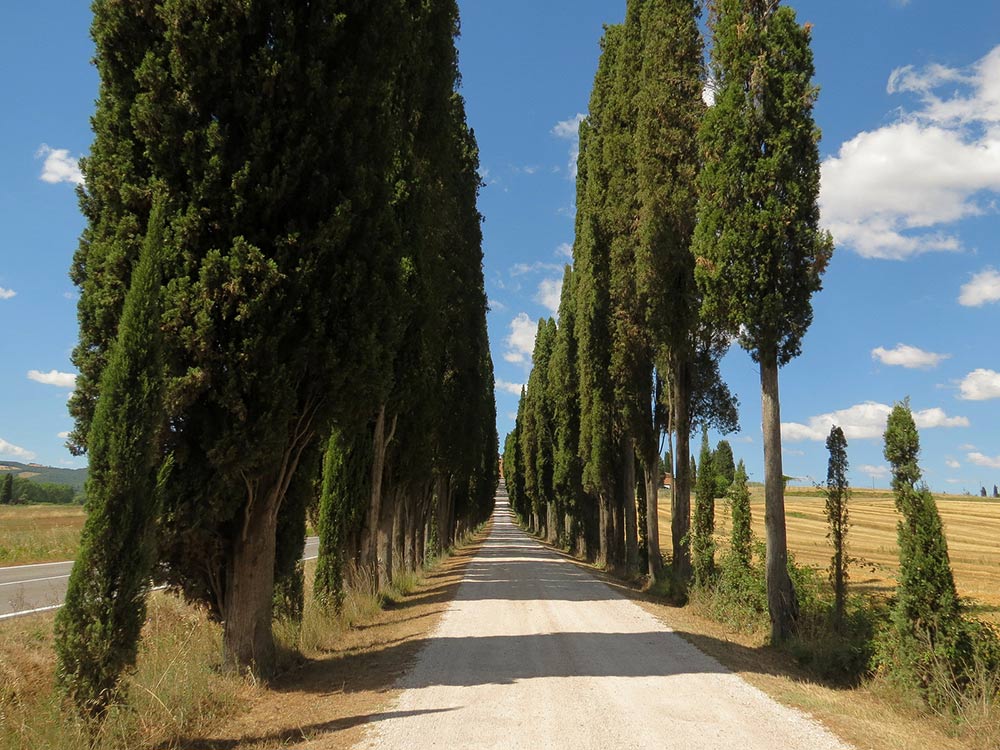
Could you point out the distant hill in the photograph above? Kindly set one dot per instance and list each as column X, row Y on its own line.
column 35, row 472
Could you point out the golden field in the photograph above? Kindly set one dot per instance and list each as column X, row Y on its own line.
column 39, row 533
column 972, row 526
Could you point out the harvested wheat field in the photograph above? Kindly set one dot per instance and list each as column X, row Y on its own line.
column 39, row 533
column 972, row 526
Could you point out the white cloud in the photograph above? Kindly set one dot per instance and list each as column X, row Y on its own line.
column 980, row 385
column 873, row 471
column 53, row 377
column 565, row 250
column 966, row 447
column 951, row 463
column 519, row 269
column 59, row 166
column 864, row 421
column 991, row 462
column 708, row 92
column 508, row 387
column 521, row 340
column 549, row 292
column 63, row 435
column 908, row 356
column 982, row 288
column 892, row 192
column 7, row 293
column 570, row 130
column 496, row 305
column 14, row 451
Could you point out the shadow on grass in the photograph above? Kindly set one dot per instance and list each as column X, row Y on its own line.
column 298, row 734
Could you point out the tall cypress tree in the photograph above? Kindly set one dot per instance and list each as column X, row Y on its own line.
column 838, row 495
column 7, row 491
column 669, row 109
column 704, row 517
column 285, row 259
column 97, row 631
column 592, row 264
column 564, row 387
column 760, row 251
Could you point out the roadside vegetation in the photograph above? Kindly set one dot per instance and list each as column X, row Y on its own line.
column 178, row 689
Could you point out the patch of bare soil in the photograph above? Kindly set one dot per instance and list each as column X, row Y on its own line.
column 326, row 702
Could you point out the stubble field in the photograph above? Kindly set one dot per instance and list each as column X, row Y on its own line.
column 972, row 526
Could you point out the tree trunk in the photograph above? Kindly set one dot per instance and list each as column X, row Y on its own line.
column 781, row 601
column 680, row 521
column 442, row 493
column 628, row 506
column 384, row 540
column 606, row 527
column 652, row 475
column 369, row 538
column 247, row 641
column 401, row 506
column 551, row 524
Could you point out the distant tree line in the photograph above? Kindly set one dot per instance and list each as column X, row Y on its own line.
column 282, row 313
column 20, row 491
column 696, row 225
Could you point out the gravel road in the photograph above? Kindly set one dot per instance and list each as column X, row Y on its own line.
column 534, row 652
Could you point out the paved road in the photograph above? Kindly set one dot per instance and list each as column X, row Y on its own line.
column 534, row 652
column 25, row 589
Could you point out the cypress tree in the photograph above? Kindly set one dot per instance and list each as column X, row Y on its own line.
column 592, row 267
column 703, row 546
column 741, row 536
column 725, row 467
column 346, row 479
column 7, row 491
column 567, row 473
column 97, row 631
column 925, row 616
column 760, row 252
column 669, row 109
column 838, row 495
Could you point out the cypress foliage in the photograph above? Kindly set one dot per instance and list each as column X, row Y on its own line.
column 346, row 481
column 760, row 251
column 725, row 467
column 669, row 109
column 97, row 631
column 592, row 267
column 567, row 473
column 741, row 536
column 7, row 491
column 926, row 617
column 838, row 495
column 703, row 546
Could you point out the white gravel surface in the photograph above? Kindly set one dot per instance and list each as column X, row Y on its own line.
column 534, row 652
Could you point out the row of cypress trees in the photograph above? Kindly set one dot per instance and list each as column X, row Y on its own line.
column 696, row 225
column 282, row 307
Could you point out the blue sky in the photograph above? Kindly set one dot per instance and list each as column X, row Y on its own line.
column 910, row 113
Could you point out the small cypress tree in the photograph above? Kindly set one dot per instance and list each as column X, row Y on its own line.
column 346, row 485
column 704, row 517
column 926, row 618
column 97, row 631
column 982, row 492
column 996, row 493
column 7, row 493
column 725, row 467
column 741, row 536
column 838, row 493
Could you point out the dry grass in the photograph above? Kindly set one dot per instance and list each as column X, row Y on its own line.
column 972, row 526
column 338, row 672
column 176, row 686
column 39, row 533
